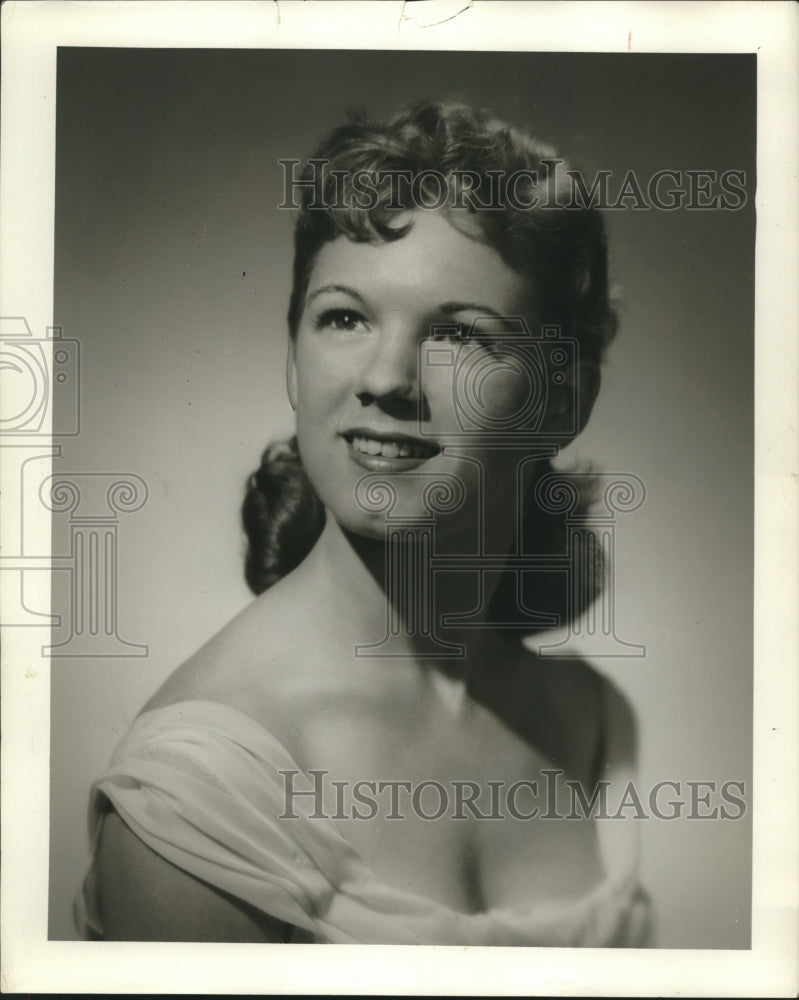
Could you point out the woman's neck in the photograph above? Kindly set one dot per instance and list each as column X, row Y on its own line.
column 384, row 600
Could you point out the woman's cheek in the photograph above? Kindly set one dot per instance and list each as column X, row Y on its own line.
column 327, row 376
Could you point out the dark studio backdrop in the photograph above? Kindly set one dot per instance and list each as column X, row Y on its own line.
column 172, row 270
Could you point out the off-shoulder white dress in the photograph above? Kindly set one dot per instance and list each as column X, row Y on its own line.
column 200, row 783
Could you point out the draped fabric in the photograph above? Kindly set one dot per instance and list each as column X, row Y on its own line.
column 200, row 783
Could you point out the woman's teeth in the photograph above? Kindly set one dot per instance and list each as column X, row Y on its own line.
column 388, row 449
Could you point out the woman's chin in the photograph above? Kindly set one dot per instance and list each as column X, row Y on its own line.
column 371, row 528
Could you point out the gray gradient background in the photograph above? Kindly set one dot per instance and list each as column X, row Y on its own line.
column 172, row 268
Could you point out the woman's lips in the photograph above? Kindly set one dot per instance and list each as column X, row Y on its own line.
column 388, row 453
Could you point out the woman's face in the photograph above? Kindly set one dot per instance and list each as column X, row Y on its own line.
column 372, row 381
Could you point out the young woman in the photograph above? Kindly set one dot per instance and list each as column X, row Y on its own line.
column 369, row 753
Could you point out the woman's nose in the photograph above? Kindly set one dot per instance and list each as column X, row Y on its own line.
column 390, row 371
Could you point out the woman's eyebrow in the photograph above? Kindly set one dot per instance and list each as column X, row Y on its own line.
column 335, row 288
column 450, row 308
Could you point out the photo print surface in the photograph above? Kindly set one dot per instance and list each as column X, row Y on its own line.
column 388, row 753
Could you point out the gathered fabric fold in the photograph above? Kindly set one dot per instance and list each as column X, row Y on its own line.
column 200, row 783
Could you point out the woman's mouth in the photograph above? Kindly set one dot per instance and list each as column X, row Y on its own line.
column 383, row 452
column 391, row 449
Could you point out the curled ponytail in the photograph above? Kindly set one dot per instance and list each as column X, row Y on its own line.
column 281, row 514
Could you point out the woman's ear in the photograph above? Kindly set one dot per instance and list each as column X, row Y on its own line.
column 291, row 374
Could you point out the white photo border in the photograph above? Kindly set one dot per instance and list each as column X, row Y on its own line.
column 31, row 35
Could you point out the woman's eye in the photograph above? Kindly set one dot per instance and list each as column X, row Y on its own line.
column 340, row 319
column 474, row 332
column 451, row 332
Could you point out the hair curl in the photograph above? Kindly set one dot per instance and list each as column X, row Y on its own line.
column 561, row 250
column 282, row 515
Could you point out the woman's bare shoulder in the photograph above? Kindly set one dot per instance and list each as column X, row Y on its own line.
column 143, row 897
column 250, row 665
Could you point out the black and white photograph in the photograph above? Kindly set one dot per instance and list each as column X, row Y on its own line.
column 383, row 558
